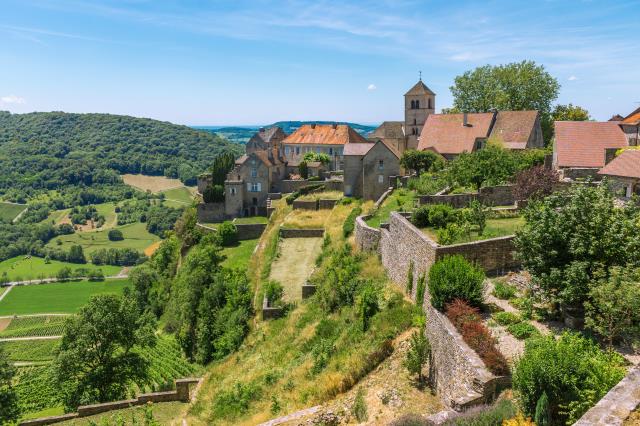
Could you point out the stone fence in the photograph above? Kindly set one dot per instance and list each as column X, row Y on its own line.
column 492, row 195
column 288, row 186
column 321, row 204
column 301, row 233
column 617, row 404
column 367, row 238
column 180, row 394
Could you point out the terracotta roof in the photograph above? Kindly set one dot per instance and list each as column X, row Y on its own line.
column 445, row 133
column 514, row 128
column 419, row 89
column 268, row 134
column 582, row 143
column 627, row 164
column 633, row 118
column 358, row 148
column 324, row 134
column 263, row 156
column 388, row 129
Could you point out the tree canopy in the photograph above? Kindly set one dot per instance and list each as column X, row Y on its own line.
column 421, row 161
column 570, row 112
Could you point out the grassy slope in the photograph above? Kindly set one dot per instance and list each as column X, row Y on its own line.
column 23, row 268
column 56, row 297
column 294, row 264
column 495, row 228
column 135, row 235
column 399, row 200
column 9, row 211
column 238, row 256
column 182, row 195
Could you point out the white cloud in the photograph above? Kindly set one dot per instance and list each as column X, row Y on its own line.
column 12, row 99
column 371, row 87
column 573, row 78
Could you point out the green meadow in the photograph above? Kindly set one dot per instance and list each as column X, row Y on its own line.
column 135, row 235
column 25, row 268
column 182, row 195
column 9, row 211
column 238, row 255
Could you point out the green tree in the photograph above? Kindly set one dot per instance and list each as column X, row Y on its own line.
column 9, row 407
column 115, row 235
column 491, row 165
column 478, row 215
column 570, row 112
column 63, row 273
column 542, row 415
column 76, row 254
column 612, row 309
column 213, row 194
column 303, row 168
column 228, row 233
column 418, row 355
column 320, row 157
column 144, row 279
column 98, row 359
column 453, row 277
column 513, row 87
column 368, row 303
column 222, row 165
column 421, row 161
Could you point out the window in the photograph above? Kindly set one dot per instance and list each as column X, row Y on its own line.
column 417, row 104
column 413, row 104
column 380, row 179
column 297, row 150
column 330, row 151
column 381, row 165
column 286, row 150
column 254, row 186
column 233, row 191
column 254, row 172
column 430, row 105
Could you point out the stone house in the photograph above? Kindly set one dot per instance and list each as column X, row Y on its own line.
column 579, row 148
column 452, row 134
column 624, row 170
column 329, row 139
column 368, row 168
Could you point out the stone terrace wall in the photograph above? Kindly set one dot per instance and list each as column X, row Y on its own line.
column 326, row 204
column 305, row 204
column 301, row 233
column 211, row 212
column 288, row 186
column 617, row 404
column 495, row 256
column 367, row 238
column 250, row 231
column 501, row 195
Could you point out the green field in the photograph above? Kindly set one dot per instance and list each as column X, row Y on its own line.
column 238, row 256
column 182, row 195
column 56, row 297
column 22, row 268
column 135, row 235
column 9, row 211
column 399, row 200
column 46, row 325
column 30, row 350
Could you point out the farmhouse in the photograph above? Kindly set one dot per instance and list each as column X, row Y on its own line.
column 368, row 168
column 625, row 171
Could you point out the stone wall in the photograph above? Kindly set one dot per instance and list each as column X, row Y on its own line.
column 301, row 233
column 495, row 256
column 580, row 173
column 617, row 404
column 305, row 204
column 211, row 212
column 326, row 204
column 501, row 195
column 288, row 186
column 250, row 231
column 180, row 394
column 270, row 312
column 367, row 238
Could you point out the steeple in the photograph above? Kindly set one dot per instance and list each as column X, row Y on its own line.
column 419, row 102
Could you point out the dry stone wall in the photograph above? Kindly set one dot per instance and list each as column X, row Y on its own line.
column 250, row 231
column 301, row 233
column 492, row 195
column 367, row 238
column 211, row 212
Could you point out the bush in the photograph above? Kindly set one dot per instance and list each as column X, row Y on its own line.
column 495, row 414
column 349, row 224
column 418, row 354
column 273, row 291
column 573, row 372
column 228, row 233
column 231, row 403
column 115, row 235
column 455, row 278
column 522, row 330
column 213, row 194
column 506, row 318
column 468, row 322
column 359, row 408
column 450, row 234
column 440, row 215
column 420, row 216
column 504, row 291
column 420, row 288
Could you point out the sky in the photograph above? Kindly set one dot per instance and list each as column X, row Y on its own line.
column 210, row 62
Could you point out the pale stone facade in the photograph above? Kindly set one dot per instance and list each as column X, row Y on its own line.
column 368, row 168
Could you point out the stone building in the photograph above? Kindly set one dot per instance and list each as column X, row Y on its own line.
column 624, row 170
column 452, row 134
column 367, row 169
column 419, row 103
column 329, row 139
column 630, row 125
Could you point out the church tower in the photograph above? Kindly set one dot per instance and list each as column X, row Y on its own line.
column 419, row 102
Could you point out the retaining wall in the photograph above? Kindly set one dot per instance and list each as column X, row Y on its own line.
column 301, row 233
column 492, row 195
column 211, row 212
column 180, row 394
column 270, row 312
column 288, row 186
column 617, row 404
column 367, row 238
column 326, row 204
column 305, row 204
column 250, row 231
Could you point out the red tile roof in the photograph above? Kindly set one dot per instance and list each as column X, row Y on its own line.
column 627, row 164
column 582, row 143
column 445, row 133
column 419, row 89
column 633, row 118
column 324, row 134
column 514, row 128
column 358, row 148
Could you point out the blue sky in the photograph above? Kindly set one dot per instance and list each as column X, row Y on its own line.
column 203, row 62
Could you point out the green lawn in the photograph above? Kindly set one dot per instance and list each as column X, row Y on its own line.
column 135, row 235
column 182, row 195
column 238, row 256
column 295, row 264
column 9, row 211
column 23, row 268
column 251, row 220
column 399, row 200
column 495, row 228
column 66, row 297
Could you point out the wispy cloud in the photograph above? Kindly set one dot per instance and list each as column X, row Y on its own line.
column 371, row 87
column 572, row 78
column 12, row 99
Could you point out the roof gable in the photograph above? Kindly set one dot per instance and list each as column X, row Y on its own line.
column 419, row 89
column 265, row 136
column 389, row 129
column 582, row 143
column 633, row 118
column 514, row 128
column 446, row 133
column 627, row 164
column 324, row 134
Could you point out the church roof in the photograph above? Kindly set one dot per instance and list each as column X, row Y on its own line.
column 419, row 89
column 324, row 134
column 388, row 129
column 514, row 128
column 627, row 164
column 583, row 143
column 446, row 133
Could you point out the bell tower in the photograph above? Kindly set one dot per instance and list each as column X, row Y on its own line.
column 419, row 102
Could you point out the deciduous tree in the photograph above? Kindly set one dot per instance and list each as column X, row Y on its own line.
column 421, row 161
column 535, row 183
column 570, row 112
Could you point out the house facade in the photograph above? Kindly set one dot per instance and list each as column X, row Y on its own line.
column 630, row 126
column 624, row 170
column 368, row 168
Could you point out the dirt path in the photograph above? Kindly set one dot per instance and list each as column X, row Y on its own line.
column 4, row 294
column 152, row 248
column 19, row 339
column 4, row 323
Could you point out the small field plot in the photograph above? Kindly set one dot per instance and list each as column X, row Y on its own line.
column 135, row 236
column 181, row 195
column 36, row 326
column 151, row 183
column 30, row 350
column 36, row 390
column 238, row 256
column 495, row 228
column 23, row 268
column 163, row 414
column 399, row 200
column 295, row 264
column 53, row 298
column 324, row 195
column 306, row 219
column 9, row 211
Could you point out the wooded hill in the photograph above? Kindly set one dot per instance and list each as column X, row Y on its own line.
column 45, row 151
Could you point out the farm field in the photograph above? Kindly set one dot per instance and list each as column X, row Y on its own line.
column 30, row 350
column 65, row 297
column 295, row 264
column 135, row 235
column 22, row 268
column 238, row 256
column 151, row 183
column 182, row 195
column 9, row 211
column 34, row 326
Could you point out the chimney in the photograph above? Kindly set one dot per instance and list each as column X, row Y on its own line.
column 334, row 125
column 465, row 120
column 313, row 125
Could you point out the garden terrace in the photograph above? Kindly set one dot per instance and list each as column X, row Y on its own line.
column 402, row 200
column 27, row 268
column 499, row 227
column 323, row 195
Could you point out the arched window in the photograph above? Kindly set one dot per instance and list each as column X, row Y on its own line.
column 413, row 104
column 417, row 104
column 430, row 104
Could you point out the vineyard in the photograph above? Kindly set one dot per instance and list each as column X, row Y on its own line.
column 30, row 350
column 36, row 326
column 35, row 387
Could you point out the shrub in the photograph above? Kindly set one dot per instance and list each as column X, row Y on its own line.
column 349, row 224
column 455, row 278
column 506, row 318
column 410, row 278
column 522, row 330
column 543, row 416
column 478, row 215
column 213, row 194
column 273, row 291
column 231, row 403
column 535, row 183
column 573, row 372
column 440, row 215
column 519, row 420
column 359, row 408
column 420, row 288
column 115, row 235
column 450, row 234
column 468, row 322
column 418, row 354
column 504, row 291
column 367, row 303
column 228, row 233
column 420, row 216
column 495, row 414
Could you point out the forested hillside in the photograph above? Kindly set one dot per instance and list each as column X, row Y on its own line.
column 46, row 151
